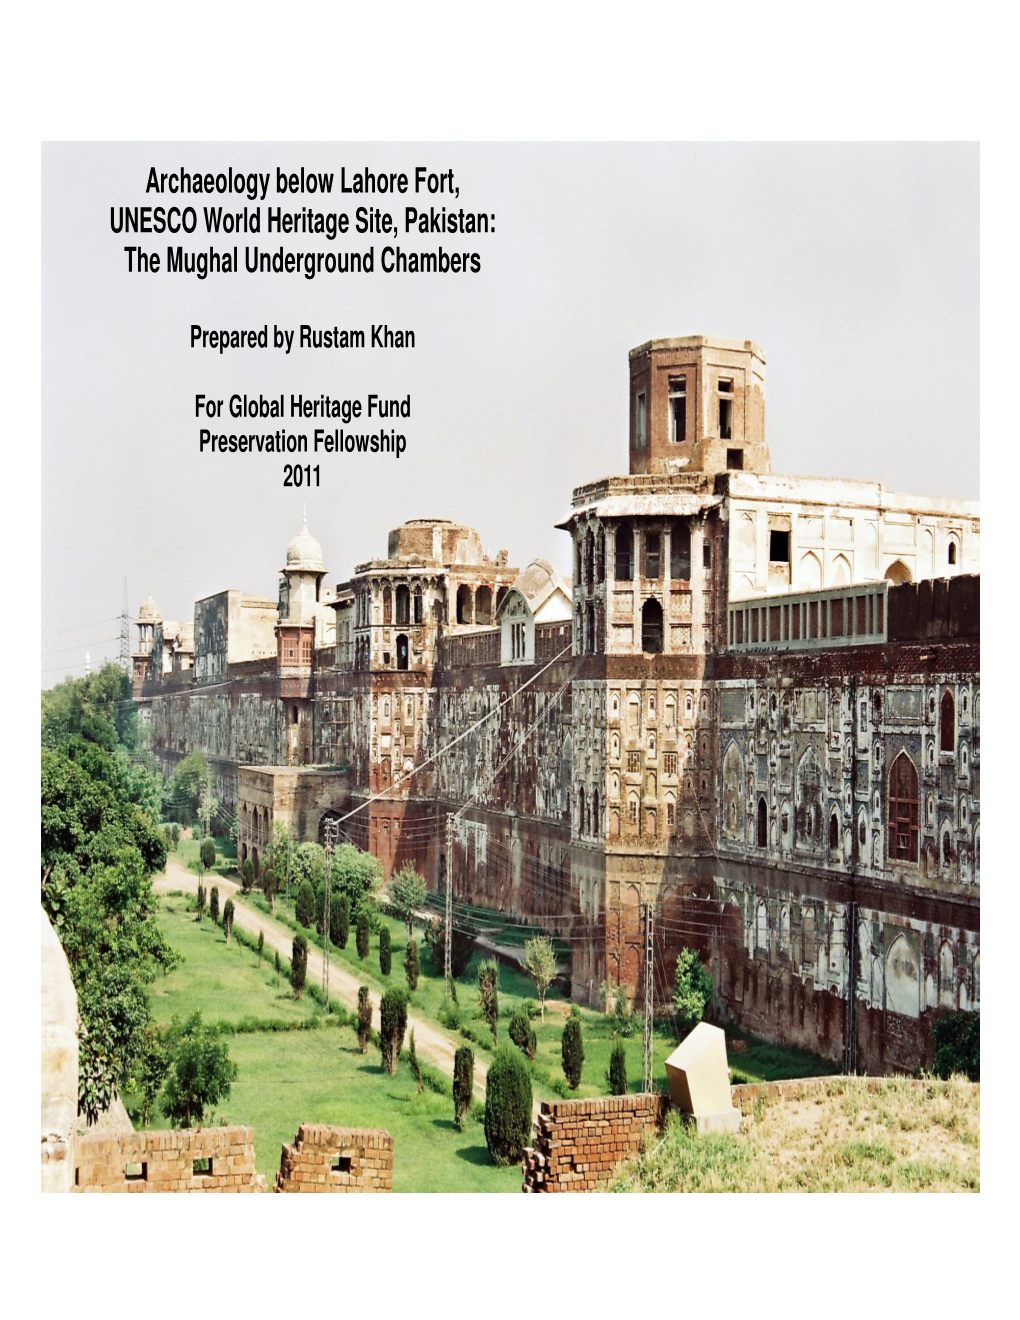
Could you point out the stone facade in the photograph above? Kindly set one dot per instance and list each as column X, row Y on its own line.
column 752, row 720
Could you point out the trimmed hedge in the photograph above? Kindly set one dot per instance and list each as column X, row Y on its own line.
column 507, row 1106
column 392, row 1025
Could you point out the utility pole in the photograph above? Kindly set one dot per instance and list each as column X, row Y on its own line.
column 448, row 936
column 332, row 830
column 125, row 634
column 646, row 1060
column 208, row 795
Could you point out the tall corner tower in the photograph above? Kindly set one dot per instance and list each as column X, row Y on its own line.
column 697, row 404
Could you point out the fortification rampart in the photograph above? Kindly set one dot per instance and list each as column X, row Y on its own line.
column 337, row 1159
column 220, row 1159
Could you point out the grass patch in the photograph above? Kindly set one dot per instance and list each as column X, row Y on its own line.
column 847, row 1139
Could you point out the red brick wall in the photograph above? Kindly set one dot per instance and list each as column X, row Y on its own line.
column 578, row 1143
column 307, row 1165
column 167, row 1162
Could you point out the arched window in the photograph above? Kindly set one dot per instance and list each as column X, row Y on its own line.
column 834, row 833
column 600, row 557
column 416, row 600
column 680, row 552
column 387, row 606
column 951, row 557
column 763, row 823
column 293, row 714
column 580, row 810
column 589, row 561
column 465, row 604
column 403, row 606
column 903, row 810
column 651, row 627
column 596, row 822
column 402, row 650
column 947, row 723
column 624, row 566
column 483, row 605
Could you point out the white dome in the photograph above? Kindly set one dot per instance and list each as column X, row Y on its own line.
column 149, row 613
column 304, row 551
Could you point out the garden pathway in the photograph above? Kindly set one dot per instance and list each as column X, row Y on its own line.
column 432, row 1045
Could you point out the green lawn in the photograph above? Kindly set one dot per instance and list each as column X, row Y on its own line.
column 187, row 853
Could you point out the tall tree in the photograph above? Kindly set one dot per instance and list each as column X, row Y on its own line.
column 408, row 893
column 540, row 965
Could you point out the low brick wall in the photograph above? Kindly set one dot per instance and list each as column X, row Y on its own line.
column 166, row 1162
column 749, row 1093
column 578, row 1143
column 337, row 1159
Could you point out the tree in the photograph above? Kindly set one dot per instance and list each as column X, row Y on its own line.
column 392, row 1025
column 269, row 885
column 304, row 907
column 186, row 788
column 692, row 990
column 408, row 893
column 412, row 965
column 153, row 1064
column 463, row 1084
column 507, row 1106
column 462, row 947
column 208, row 854
column 355, row 874
column 200, row 900
column 199, row 1074
column 247, row 875
column 339, row 922
column 282, row 851
column 522, row 1033
column 308, row 862
column 385, row 951
column 298, row 964
column 214, row 904
column 572, row 1051
column 364, row 1018
column 361, row 935
column 488, row 995
column 412, row 1057
column 617, row 1075
column 540, row 964
column 228, row 918
column 956, row 1039
column 262, row 945
column 276, row 965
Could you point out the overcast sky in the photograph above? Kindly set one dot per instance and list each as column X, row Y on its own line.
column 854, row 268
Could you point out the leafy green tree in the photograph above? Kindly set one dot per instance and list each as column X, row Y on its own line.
column 304, row 907
column 412, row 1057
column 247, row 875
column 617, row 1075
column 385, row 951
column 200, row 900
column 214, row 904
column 956, row 1039
column 355, row 874
column 207, row 853
column 364, row 1018
column 540, row 964
column 488, row 995
column 153, row 1062
column 522, row 1033
column 463, row 1084
column 277, row 966
column 408, row 893
column 308, row 862
column 462, row 947
column 187, row 787
column 228, row 919
column 507, row 1106
column 692, row 989
column 412, row 965
column 339, row 921
column 262, row 945
column 199, row 1074
column 282, row 851
column 392, row 1025
column 361, row 935
column 572, row 1051
column 269, row 885
column 298, row 964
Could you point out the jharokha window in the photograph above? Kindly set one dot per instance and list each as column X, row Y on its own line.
column 904, row 810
